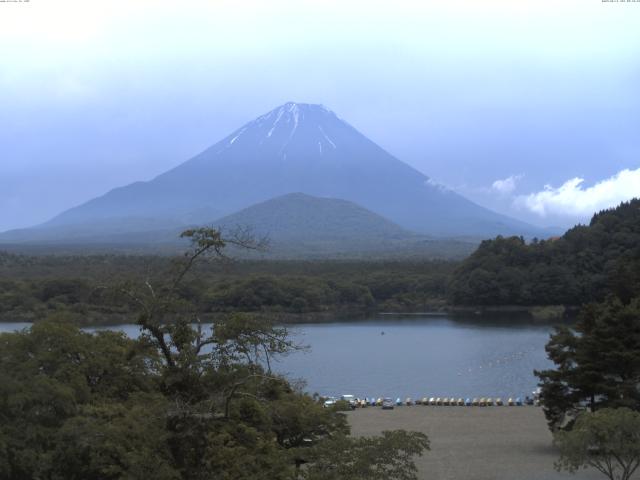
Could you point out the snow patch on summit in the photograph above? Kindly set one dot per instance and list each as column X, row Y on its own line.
column 326, row 137
column 273, row 127
column 282, row 124
column 242, row 130
column 295, row 110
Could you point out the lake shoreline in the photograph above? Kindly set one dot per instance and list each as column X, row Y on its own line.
column 535, row 315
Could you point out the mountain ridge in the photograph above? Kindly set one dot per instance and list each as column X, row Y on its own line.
column 298, row 216
column 296, row 147
column 296, row 226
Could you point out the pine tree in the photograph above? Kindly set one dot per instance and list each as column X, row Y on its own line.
column 597, row 362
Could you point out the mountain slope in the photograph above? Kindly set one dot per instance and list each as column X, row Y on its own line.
column 301, row 217
column 297, row 226
column 296, row 148
column 301, row 226
column 584, row 265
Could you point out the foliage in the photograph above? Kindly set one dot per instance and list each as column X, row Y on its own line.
column 385, row 457
column 585, row 264
column 32, row 288
column 597, row 362
column 179, row 402
column 55, row 382
column 607, row 440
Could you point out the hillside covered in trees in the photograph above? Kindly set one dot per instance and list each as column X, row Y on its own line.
column 33, row 287
column 584, row 265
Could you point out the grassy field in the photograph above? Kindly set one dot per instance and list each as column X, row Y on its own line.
column 492, row 443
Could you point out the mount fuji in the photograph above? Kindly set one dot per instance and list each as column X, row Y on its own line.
column 294, row 148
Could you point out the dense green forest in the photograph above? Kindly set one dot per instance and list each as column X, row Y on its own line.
column 585, row 264
column 32, row 287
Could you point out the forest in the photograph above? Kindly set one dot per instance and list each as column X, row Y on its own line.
column 586, row 264
column 32, row 287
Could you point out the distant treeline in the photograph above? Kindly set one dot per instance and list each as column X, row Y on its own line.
column 86, row 287
column 584, row 265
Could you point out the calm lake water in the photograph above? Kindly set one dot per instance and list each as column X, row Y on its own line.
column 415, row 356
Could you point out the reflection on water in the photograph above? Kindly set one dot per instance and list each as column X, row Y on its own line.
column 412, row 356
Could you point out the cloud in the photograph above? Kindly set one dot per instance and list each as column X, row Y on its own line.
column 506, row 185
column 440, row 186
column 573, row 199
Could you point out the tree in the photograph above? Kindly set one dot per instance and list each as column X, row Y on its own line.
column 70, row 400
column 586, row 264
column 180, row 402
column 607, row 440
column 389, row 456
column 597, row 363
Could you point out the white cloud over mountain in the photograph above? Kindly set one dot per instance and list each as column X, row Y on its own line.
column 573, row 199
column 507, row 185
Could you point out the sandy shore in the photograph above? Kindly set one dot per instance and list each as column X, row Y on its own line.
column 467, row 443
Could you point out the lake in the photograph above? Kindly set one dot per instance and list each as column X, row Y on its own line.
column 412, row 356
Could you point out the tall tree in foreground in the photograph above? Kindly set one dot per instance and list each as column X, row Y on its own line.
column 607, row 440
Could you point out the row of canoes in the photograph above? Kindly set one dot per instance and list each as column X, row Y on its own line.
column 450, row 402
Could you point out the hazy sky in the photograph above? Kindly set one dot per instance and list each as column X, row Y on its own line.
column 510, row 103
